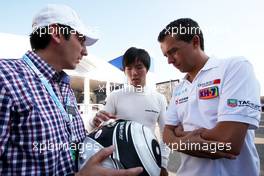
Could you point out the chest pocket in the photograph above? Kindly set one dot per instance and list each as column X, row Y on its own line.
column 22, row 106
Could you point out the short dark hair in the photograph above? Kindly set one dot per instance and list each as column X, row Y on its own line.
column 40, row 38
column 191, row 28
column 134, row 54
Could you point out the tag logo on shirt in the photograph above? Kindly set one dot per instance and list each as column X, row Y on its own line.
column 242, row 103
column 232, row 102
column 209, row 83
column 208, row 93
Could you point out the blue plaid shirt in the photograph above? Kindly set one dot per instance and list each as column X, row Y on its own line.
column 34, row 137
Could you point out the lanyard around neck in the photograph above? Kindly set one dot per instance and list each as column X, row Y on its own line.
column 48, row 87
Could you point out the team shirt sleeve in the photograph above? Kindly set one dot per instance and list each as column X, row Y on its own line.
column 240, row 95
column 171, row 113
column 165, row 150
column 110, row 103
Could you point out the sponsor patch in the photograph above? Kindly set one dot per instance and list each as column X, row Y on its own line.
column 232, row 102
column 208, row 93
column 209, row 83
column 242, row 103
column 150, row 110
column 181, row 100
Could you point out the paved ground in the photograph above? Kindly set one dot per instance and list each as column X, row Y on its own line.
column 174, row 160
column 259, row 141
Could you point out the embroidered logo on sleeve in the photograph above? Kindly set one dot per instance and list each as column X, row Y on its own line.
column 208, row 93
column 232, row 102
column 242, row 103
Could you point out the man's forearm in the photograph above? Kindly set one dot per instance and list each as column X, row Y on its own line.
column 231, row 133
column 192, row 144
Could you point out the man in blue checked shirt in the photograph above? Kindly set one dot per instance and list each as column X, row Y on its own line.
column 40, row 126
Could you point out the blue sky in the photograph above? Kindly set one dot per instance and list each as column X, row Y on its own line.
column 231, row 28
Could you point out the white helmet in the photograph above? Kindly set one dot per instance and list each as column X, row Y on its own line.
column 135, row 145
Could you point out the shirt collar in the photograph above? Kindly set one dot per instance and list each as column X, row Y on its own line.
column 47, row 70
column 61, row 77
column 210, row 64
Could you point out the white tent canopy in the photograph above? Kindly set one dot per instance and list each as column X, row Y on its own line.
column 14, row 46
column 97, row 69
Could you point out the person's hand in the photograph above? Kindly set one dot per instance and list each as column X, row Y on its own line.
column 168, row 135
column 179, row 131
column 93, row 166
column 102, row 116
column 163, row 172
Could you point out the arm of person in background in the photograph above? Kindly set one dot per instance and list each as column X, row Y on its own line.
column 165, row 150
column 105, row 114
column 93, row 166
column 102, row 116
